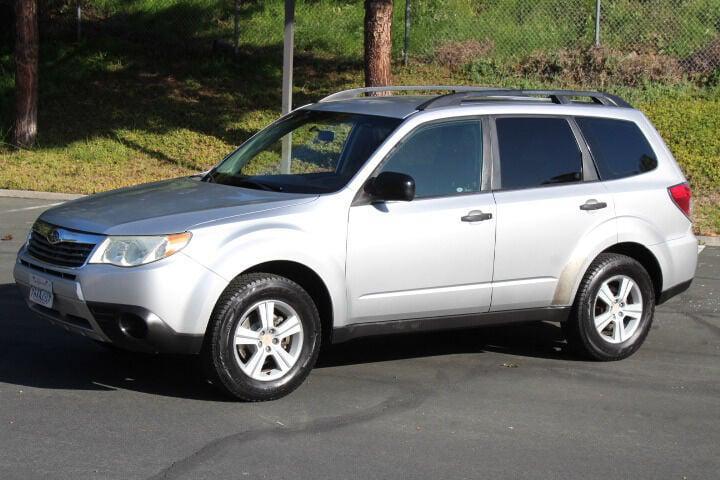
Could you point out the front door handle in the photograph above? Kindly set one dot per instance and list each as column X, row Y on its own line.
column 593, row 204
column 476, row 216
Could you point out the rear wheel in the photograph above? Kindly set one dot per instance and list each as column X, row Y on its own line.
column 613, row 309
column 263, row 338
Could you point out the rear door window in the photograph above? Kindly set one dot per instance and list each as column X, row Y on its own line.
column 619, row 147
column 537, row 151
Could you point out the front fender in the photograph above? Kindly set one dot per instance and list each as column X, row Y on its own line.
column 238, row 253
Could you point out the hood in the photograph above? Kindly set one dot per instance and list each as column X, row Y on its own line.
column 169, row 206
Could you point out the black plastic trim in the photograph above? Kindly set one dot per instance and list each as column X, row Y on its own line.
column 62, row 317
column 456, row 98
column 49, row 271
column 159, row 336
column 429, row 324
column 673, row 291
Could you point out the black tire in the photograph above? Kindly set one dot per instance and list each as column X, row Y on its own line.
column 218, row 353
column 580, row 331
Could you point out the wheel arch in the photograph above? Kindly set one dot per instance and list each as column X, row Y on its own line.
column 310, row 281
column 644, row 257
column 575, row 270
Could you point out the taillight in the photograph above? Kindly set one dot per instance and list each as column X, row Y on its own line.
column 682, row 196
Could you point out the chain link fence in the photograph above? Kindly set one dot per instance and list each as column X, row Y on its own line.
column 686, row 31
column 680, row 35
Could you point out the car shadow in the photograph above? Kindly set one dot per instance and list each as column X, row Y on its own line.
column 533, row 339
column 35, row 354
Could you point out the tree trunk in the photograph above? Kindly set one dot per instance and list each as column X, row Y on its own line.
column 378, row 42
column 26, row 72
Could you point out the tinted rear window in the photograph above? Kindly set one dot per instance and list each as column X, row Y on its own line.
column 537, row 151
column 619, row 147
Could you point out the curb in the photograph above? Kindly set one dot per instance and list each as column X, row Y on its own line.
column 38, row 195
column 708, row 241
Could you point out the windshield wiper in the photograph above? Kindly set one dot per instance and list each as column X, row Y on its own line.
column 241, row 181
column 209, row 177
column 245, row 182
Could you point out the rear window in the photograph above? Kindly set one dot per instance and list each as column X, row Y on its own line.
column 537, row 151
column 619, row 147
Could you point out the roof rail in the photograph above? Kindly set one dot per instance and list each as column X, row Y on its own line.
column 356, row 92
column 459, row 94
column 555, row 96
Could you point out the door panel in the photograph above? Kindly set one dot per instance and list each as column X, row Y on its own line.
column 420, row 259
column 548, row 202
column 537, row 231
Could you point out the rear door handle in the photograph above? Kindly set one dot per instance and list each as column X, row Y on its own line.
column 476, row 216
column 593, row 204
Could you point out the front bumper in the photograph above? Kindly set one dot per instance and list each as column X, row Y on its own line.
column 163, row 307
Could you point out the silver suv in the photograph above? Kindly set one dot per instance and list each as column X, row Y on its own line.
column 363, row 215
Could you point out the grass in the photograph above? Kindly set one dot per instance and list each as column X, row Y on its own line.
column 121, row 109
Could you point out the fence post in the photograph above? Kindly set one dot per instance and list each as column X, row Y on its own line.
column 406, row 36
column 597, row 23
column 79, row 20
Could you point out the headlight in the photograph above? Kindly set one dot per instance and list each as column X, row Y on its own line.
column 134, row 251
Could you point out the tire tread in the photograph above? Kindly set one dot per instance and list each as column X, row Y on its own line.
column 577, row 339
column 213, row 361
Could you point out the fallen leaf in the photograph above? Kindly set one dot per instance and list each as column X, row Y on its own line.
column 510, row 365
column 7, row 237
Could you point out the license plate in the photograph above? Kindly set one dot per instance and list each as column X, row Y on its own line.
column 41, row 291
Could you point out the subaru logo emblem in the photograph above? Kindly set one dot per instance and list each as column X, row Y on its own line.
column 53, row 237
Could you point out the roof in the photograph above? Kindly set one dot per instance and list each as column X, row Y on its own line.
column 401, row 106
column 396, row 106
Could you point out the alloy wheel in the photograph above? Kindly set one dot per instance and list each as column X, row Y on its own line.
column 268, row 340
column 618, row 309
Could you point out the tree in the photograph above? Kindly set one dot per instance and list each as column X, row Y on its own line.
column 378, row 42
column 26, row 72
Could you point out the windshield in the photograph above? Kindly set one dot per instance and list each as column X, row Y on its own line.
column 309, row 151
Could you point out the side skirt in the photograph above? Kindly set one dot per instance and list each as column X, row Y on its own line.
column 429, row 324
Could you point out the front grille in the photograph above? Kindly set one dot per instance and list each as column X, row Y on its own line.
column 66, row 254
column 49, row 271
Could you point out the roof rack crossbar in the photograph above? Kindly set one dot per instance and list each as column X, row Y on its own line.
column 556, row 96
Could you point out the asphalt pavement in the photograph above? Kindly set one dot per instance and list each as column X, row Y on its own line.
column 501, row 402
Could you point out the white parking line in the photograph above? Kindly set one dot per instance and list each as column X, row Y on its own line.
column 31, row 208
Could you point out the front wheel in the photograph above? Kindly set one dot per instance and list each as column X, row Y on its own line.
column 613, row 309
column 263, row 338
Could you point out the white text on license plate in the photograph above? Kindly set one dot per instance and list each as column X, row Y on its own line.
column 41, row 291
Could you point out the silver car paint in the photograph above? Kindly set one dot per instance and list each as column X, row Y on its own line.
column 159, row 208
column 371, row 263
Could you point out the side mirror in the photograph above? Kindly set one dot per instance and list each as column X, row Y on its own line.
column 391, row 186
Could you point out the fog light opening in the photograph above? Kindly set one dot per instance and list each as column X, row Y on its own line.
column 132, row 325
